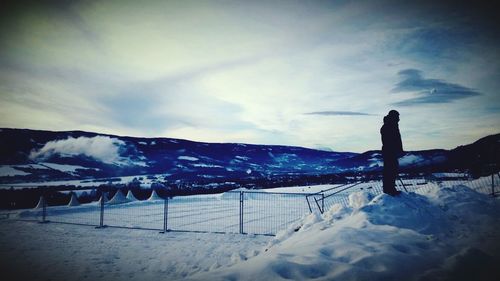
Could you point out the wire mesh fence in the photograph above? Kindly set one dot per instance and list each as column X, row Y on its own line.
column 268, row 213
column 231, row 212
column 208, row 213
column 142, row 215
column 487, row 185
column 87, row 214
column 325, row 199
column 255, row 212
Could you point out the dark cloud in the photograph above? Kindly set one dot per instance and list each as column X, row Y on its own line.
column 14, row 15
column 338, row 113
column 429, row 90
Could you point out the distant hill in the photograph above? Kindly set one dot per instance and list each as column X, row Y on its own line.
column 41, row 155
column 34, row 155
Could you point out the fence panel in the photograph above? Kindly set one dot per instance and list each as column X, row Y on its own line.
column 35, row 215
column 324, row 200
column 268, row 213
column 138, row 214
column 205, row 213
column 87, row 214
column 486, row 185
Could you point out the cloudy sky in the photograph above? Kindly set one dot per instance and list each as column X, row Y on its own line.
column 319, row 74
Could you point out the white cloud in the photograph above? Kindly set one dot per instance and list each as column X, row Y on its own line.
column 101, row 148
column 235, row 71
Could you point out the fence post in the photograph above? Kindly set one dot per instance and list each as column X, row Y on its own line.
column 44, row 210
column 402, row 183
column 165, row 215
column 308, row 204
column 493, row 185
column 241, row 211
column 498, row 174
column 317, row 204
column 101, row 217
column 322, row 203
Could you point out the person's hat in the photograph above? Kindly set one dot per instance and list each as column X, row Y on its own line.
column 393, row 113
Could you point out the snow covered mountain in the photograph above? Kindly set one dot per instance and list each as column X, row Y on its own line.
column 39, row 155
column 32, row 155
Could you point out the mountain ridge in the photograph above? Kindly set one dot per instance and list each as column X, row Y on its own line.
column 38, row 155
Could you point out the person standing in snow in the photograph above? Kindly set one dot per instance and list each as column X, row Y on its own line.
column 392, row 149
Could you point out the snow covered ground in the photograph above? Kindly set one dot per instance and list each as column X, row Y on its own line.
column 443, row 232
column 33, row 251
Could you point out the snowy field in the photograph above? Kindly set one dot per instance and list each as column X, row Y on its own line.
column 33, row 251
column 443, row 231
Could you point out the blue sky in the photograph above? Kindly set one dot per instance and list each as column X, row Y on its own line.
column 319, row 74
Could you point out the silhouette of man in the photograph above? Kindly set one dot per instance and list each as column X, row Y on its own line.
column 392, row 149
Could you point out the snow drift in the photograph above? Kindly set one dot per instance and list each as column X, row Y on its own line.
column 445, row 233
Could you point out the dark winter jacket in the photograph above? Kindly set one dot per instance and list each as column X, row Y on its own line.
column 391, row 140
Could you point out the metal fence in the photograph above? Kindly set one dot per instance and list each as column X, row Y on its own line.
column 245, row 212
column 325, row 199
column 253, row 212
